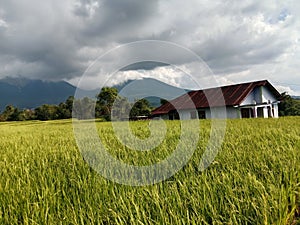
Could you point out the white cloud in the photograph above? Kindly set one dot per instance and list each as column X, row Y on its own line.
column 3, row 23
column 287, row 89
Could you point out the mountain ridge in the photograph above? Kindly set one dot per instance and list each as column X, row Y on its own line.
column 31, row 93
column 27, row 93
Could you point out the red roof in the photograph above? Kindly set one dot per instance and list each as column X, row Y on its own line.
column 227, row 95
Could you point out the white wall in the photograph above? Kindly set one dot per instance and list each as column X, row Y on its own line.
column 250, row 98
column 259, row 95
column 185, row 114
column 276, row 115
column 217, row 112
column 233, row 113
column 222, row 113
column 267, row 95
column 207, row 113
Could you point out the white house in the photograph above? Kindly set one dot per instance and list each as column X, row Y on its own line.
column 246, row 100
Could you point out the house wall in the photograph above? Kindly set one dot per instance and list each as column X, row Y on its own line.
column 222, row 112
column 250, row 98
column 164, row 117
column 217, row 112
column 267, row 95
column 185, row 114
column 257, row 92
column 233, row 113
column 259, row 95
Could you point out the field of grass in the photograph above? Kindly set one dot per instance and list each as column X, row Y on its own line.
column 255, row 178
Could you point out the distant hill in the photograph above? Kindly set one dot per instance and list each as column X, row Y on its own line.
column 146, row 86
column 296, row 97
column 26, row 93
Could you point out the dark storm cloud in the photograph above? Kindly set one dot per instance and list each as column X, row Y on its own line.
column 59, row 39
column 50, row 37
column 37, row 41
column 113, row 21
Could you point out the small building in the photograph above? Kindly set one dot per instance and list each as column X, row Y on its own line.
column 246, row 100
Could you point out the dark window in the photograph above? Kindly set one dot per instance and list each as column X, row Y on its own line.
column 247, row 113
column 260, row 112
column 173, row 115
column 201, row 114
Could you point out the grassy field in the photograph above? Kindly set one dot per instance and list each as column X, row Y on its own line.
column 255, row 178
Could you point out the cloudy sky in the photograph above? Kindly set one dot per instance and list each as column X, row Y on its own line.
column 239, row 41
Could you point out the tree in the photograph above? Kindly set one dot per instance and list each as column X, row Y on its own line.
column 289, row 106
column 69, row 103
column 105, row 101
column 121, row 109
column 28, row 114
column 141, row 108
column 15, row 115
column 65, row 108
column 47, row 112
column 163, row 101
column 10, row 113
column 84, row 108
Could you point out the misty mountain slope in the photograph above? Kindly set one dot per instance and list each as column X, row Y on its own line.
column 150, row 88
column 26, row 93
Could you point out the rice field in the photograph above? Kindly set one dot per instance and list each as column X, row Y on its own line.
column 254, row 179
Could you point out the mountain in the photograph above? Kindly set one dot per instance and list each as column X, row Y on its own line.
column 296, row 97
column 151, row 89
column 26, row 93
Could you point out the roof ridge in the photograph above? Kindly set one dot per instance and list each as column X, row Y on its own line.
column 230, row 85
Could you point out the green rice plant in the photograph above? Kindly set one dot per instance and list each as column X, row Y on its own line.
column 254, row 179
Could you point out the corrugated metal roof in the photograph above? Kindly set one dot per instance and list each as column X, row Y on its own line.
column 221, row 96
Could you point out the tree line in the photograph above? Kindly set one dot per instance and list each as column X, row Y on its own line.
column 108, row 103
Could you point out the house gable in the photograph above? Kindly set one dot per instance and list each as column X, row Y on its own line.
column 259, row 95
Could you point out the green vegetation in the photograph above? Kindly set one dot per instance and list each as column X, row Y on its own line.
column 289, row 106
column 255, row 178
column 85, row 108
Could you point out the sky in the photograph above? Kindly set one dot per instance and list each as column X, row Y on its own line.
column 239, row 41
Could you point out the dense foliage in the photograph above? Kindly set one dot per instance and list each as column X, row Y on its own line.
column 254, row 179
column 84, row 108
column 289, row 106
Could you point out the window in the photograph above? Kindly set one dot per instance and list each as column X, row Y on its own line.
column 260, row 112
column 247, row 112
column 201, row 114
column 173, row 115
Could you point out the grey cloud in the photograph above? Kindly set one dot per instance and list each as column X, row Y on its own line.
column 146, row 65
column 58, row 39
column 229, row 52
column 118, row 20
